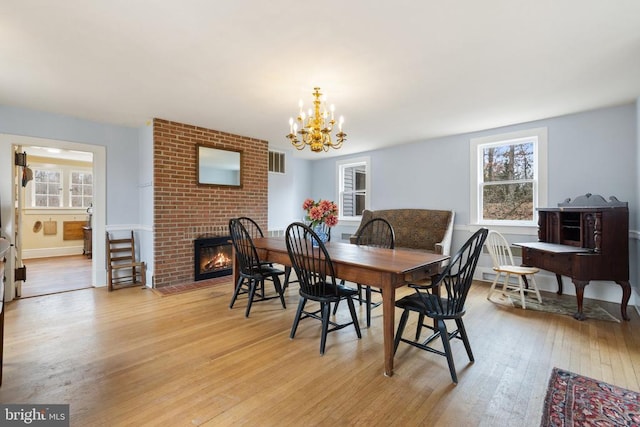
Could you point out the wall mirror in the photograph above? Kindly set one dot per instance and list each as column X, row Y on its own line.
column 219, row 167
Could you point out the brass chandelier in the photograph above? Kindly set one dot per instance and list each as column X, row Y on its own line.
column 316, row 126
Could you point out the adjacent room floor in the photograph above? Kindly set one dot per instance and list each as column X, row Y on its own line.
column 56, row 274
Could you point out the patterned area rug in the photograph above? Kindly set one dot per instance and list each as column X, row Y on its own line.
column 565, row 306
column 574, row 400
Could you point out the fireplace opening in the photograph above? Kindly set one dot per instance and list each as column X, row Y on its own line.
column 213, row 257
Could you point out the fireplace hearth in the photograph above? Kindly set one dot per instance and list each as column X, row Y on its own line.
column 213, row 257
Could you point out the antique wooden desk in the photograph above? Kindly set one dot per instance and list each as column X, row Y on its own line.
column 585, row 239
column 386, row 269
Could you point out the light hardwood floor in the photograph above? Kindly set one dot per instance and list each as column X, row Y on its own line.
column 132, row 357
column 56, row 274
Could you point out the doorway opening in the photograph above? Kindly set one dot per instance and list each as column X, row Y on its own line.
column 57, row 255
column 55, row 220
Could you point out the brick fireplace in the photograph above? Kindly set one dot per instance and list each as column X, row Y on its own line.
column 184, row 210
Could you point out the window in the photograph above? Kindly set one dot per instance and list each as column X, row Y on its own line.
column 60, row 187
column 508, row 178
column 276, row 162
column 47, row 188
column 81, row 189
column 353, row 188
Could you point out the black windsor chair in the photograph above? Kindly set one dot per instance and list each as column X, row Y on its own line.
column 287, row 269
column 455, row 281
column 252, row 271
column 316, row 276
column 377, row 232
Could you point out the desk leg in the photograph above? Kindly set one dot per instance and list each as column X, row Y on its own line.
column 626, row 294
column 388, row 317
column 580, row 284
column 559, row 279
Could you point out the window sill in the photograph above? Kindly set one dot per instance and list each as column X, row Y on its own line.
column 349, row 222
column 55, row 211
column 524, row 230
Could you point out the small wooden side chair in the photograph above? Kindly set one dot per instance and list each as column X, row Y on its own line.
column 122, row 268
column 504, row 267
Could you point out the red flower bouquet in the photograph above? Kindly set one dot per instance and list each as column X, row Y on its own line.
column 322, row 211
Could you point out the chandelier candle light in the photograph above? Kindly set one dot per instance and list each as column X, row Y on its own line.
column 316, row 126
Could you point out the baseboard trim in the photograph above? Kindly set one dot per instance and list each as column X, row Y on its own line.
column 52, row 252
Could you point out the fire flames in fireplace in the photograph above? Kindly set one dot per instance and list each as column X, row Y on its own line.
column 216, row 262
column 212, row 257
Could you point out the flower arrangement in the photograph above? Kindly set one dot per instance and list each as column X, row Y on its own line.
column 322, row 211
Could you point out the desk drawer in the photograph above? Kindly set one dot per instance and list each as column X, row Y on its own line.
column 425, row 273
column 556, row 263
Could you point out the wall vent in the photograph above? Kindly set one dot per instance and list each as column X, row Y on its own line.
column 276, row 162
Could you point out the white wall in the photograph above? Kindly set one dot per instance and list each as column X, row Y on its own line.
column 287, row 192
column 145, row 237
column 592, row 152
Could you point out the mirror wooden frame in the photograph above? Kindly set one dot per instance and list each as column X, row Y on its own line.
column 218, row 166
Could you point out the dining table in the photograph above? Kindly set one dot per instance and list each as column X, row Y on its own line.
column 382, row 268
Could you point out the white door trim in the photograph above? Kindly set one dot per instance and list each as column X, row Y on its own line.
column 7, row 141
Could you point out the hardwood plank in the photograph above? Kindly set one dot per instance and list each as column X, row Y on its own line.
column 133, row 357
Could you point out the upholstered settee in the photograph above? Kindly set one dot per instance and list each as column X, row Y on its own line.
column 421, row 229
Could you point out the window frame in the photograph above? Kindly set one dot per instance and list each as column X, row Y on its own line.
column 539, row 137
column 60, row 194
column 82, row 185
column 341, row 165
column 65, row 187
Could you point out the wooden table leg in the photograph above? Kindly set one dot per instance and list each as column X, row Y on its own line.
column 388, row 318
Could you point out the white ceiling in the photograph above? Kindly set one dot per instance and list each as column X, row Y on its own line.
column 56, row 153
column 399, row 71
